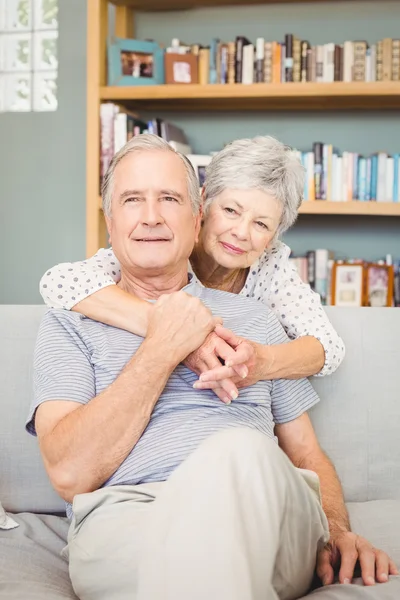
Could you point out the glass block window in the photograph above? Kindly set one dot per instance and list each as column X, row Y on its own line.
column 28, row 55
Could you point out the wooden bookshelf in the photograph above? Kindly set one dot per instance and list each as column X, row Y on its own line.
column 159, row 5
column 288, row 96
column 258, row 96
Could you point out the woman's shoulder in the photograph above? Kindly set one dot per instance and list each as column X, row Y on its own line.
column 274, row 257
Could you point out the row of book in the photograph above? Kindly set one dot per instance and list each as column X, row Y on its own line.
column 118, row 125
column 352, row 282
column 293, row 60
column 346, row 176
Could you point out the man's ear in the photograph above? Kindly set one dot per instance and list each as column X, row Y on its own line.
column 197, row 225
column 108, row 224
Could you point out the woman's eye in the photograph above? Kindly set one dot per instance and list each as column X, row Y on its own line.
column 230, row 211
column 261, row 224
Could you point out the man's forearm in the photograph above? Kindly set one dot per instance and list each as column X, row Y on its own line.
column 295, row 359
column 331, row 491
column 90, row 443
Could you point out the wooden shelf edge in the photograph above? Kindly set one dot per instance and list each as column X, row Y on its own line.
column 254, row 90
column 355, row 207
column 168, row 5
column 277, row 96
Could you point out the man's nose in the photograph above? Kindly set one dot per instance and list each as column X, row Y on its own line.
column 151, row 214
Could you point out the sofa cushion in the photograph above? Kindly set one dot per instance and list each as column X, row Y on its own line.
column 24, row 485
column 30, row 562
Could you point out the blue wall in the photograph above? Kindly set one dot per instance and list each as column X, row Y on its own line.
column 368, row 132
column 42, row 173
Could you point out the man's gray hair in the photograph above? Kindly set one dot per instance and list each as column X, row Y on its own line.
column 142, row 143
column 261, row 163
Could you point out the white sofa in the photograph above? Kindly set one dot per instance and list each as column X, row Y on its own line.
column 357, row 423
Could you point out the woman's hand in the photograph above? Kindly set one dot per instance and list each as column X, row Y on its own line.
column 247, row 355
column 207, row 359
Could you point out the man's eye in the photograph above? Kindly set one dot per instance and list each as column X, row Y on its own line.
column 169, row 198
column 131, row 199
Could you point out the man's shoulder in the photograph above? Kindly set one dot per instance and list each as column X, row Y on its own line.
column 61, row 317
column 61, row 323
column 236, row 304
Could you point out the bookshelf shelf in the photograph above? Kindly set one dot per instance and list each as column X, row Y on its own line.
column 157, row 5
column 356, row 207
column 258, row 96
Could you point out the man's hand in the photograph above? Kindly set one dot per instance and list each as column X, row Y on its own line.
column 206, row 358
column 247, row 354
column 180, row 323
column 345, row 549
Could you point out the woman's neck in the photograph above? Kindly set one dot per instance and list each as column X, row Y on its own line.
column 213, row 275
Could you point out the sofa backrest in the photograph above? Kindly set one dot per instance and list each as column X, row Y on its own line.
column 357, row 420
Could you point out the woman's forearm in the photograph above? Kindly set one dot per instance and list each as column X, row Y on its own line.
column 115, row 307
column 298, row 358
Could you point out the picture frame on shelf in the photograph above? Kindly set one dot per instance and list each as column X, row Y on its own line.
column 200, row 162
column 181, row 68
column 347, row 284
column 134, row 62
column 379, row 281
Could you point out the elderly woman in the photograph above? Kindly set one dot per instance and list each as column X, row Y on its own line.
column 252, row 193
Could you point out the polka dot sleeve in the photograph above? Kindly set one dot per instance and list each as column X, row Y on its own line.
column 297, row 307
column 66, row 284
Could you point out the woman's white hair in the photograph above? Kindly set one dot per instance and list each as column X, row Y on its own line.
column 261, row 163
column 142, row 143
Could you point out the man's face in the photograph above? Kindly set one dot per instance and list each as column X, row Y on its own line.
column 152, row 226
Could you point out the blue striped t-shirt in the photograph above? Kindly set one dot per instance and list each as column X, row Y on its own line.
column 76, row 358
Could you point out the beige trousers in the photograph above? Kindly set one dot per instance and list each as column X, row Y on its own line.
column 235, row 521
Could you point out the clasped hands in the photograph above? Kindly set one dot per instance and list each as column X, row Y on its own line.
column 241, row 364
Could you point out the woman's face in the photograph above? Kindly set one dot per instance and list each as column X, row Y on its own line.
column 239, row 226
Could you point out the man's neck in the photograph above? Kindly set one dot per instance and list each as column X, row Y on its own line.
column 151, row 287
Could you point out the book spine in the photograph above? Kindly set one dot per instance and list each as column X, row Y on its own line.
column 304, row 64
column 289, row 57
column 396, row 177
column 317, row 149
column 379, row 61
column 268, row 62
column 337, row 63
column 248, row 64
column 360, row 49
column 260, row 57
column 396, row 60
column 231, row 62
column 348, row 59
column 204, row 65
column 296, row 60
column 387, row 59
column 319, row 64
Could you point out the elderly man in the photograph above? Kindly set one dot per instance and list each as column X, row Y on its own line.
column 173, row 494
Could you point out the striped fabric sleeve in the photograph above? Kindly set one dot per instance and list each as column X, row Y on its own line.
column 62, row 367
column 290, row 398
